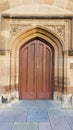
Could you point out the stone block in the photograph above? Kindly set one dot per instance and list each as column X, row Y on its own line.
column 58, row 121
column 70, row 0
column 50, row 2
column 26, row 2
column 4, row 5
column 6, row 125
column 60, row 3
column 13, row 3
column 38, row 1
column 44, row 126
column 69, row 120
column 69, row 6
column 13, row 115
column 25, row 126
column 38, row 116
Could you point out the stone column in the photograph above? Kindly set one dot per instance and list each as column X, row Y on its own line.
column 72, row 33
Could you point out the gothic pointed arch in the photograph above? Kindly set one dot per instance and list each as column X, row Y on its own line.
column 34, row 31
column 52, row 40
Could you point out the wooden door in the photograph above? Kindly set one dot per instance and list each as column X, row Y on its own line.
column 35, row 71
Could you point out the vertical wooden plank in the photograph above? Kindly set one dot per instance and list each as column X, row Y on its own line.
column 44, row 69
column 32, row 67
column 37, row 68
column 28, row 71
column 24, row 69
column 35, row 82
column 40, row 72
column 51, row 74
column 48, row 60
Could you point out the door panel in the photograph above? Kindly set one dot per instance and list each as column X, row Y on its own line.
column 44, row 71
column 35, row 71
column 27, row 72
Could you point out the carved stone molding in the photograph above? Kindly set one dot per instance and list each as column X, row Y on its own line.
column 15, row 28
column 58, row 29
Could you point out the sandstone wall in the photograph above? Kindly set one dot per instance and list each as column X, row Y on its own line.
column 65, row 4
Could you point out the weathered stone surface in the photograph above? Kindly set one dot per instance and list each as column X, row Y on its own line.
column 13, row 115
column 70, row 0
column 50, row 2
column 36, row 9
column 69, row 6
column 13, row 3
column 25, row 126
column 44, row 126
column 60, row 3
column 37, row 2
column 4, row 6
column 37, row 116
column 6, row 125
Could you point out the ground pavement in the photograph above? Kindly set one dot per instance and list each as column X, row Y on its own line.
column 36, row 115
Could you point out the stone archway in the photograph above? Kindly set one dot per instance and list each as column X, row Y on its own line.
column 54, row 41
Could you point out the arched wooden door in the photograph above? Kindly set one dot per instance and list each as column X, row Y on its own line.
column 36, row 70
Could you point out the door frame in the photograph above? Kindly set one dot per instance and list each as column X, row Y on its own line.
column 55, row 41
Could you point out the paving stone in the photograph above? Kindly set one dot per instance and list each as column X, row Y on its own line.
column 58, row 122
column 56, row 112
column 45, row 126
column 26, row 104
column 38, row 116
column 69, row 117
column 70, row 112
column 6, row 126
column 37, row 104
column 25, row 126
column 44, row 104
column 56, row 104
column 1, row 111
column 12, row 115
column 69, row 120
